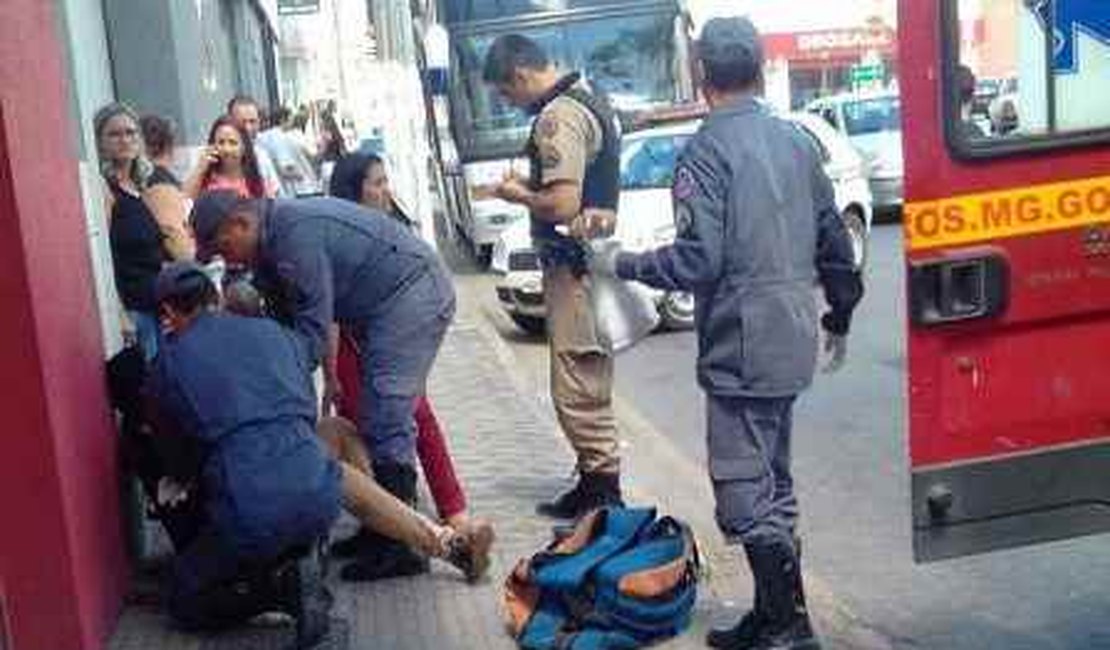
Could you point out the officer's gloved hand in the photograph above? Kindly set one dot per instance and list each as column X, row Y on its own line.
column 836, row 351
column 603, row 257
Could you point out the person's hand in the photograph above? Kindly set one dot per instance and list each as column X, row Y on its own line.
column 594, row 223
column 513, row 189
column 333, row 394
column 128, row 330
column 603, row 257
column 171, row 493
column 836, row 352
column 209, row 155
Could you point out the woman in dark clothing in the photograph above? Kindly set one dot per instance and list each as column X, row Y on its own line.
column 160, row 138
column 362, row 178
column 147, row 223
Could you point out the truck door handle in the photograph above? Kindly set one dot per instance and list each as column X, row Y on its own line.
column 960, row 288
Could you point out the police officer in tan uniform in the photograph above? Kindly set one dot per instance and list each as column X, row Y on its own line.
column 574, row 150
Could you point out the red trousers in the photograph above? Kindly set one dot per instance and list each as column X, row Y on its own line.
column 431, row 446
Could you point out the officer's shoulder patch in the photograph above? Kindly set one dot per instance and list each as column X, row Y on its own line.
column 684, row 184
column 548, row 127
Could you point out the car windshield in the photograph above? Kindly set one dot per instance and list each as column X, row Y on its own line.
column 865, row 116
column 648, row 162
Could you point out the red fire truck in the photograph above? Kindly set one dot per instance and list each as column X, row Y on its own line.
column 1007, row 223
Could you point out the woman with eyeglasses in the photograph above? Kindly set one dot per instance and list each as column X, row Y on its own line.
column 147, row 224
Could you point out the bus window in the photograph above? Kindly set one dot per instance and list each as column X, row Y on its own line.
column 463, row 11
column 628, row 59
column 1021, row 74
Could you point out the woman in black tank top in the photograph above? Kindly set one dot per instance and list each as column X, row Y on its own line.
column 147, row 222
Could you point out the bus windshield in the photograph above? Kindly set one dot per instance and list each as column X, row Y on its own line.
column 629, row 59
column 865, row 116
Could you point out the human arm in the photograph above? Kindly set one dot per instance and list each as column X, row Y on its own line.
column 557, row 202
column 840, row 279
column 305, row 277
column 333, row 388
column 167, row 204
column 700, row 199
column 194, row 182
column 565, row 138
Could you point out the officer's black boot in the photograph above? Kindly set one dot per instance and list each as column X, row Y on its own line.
column 593, row 490
column 304, row 596
column 743, row 633
column 388, row 558
column 786, row 624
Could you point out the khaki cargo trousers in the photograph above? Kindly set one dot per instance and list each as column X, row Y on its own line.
column 581, row 371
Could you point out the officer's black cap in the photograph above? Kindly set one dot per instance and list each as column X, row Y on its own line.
column 179, row 278
column 209, row 211
column 732, row 42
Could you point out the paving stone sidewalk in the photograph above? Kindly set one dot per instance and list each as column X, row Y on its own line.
column 510, row 455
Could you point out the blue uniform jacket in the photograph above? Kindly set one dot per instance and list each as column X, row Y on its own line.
column 242, row 387
column 757, row 227
column 323, row 260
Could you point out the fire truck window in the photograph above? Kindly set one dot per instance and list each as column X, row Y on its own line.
column 1028, row 69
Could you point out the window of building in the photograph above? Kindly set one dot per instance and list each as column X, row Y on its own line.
column 1023, row 74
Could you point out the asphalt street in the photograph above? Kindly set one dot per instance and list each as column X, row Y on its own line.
column 852, row 472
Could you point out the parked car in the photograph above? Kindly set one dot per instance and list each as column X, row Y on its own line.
column 873, row 124
column 646, row 219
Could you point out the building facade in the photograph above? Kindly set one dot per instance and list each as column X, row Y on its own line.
column 63, row 564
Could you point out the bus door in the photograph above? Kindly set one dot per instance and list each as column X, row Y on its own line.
column 1007, row 236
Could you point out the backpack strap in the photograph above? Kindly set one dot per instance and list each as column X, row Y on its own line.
column 614, row 530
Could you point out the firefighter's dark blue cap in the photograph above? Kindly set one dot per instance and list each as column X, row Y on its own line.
column 732, row 41
column 179, row 278
column 209, row 211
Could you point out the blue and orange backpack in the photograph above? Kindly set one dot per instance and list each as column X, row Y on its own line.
column 621, row 578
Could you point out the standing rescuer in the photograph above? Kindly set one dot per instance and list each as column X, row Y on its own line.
column 757, row 225
column 574, row 151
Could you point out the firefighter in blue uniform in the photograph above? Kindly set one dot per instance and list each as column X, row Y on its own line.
column 757, row 227
column 322, row 260
column 268, row 491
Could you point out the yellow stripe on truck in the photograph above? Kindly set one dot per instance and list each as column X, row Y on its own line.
column 973, row 218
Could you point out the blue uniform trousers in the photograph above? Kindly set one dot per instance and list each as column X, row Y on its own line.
column 397, row 352
column 749, row 463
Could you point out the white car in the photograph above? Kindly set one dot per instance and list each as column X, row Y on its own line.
column 646, row 220
column 872, row 122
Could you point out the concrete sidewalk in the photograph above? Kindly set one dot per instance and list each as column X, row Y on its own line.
column 510, row 455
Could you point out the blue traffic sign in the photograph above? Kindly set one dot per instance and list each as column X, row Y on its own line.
column 1072, row 18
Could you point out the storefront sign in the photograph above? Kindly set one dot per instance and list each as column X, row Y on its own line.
column 867, row 73
column 829, row 44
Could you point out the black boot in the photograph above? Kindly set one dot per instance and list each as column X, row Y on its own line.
column 385, row 557
column 744, row 632
column 305, row 597
column 786, row 624
column 594, row 490
column 363, row 542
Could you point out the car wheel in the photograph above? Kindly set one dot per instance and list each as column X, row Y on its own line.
column 530, row 324
column 857, row 231
column 676, row 311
